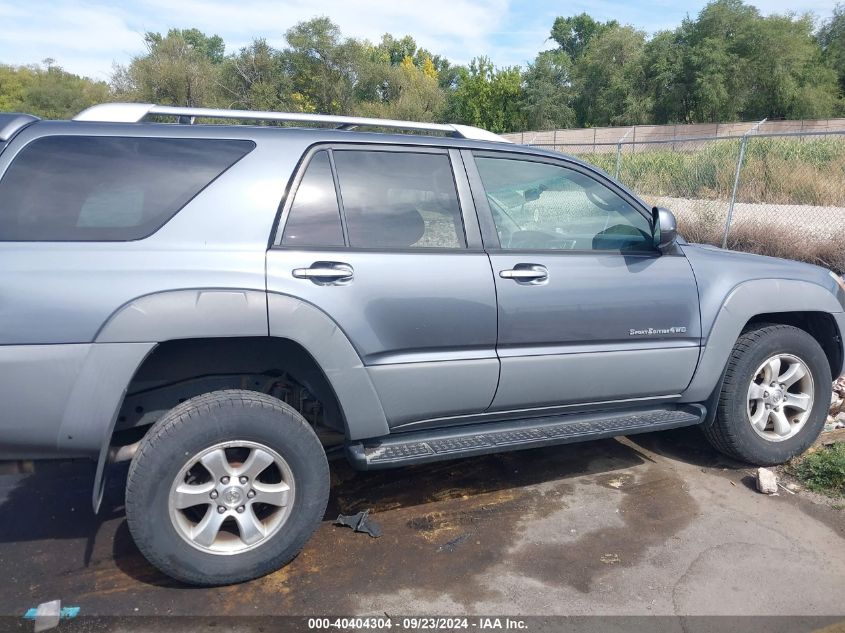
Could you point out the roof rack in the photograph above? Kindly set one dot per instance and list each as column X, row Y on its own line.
column 137, row 112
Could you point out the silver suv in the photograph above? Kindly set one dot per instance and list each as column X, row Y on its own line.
column 223, row 304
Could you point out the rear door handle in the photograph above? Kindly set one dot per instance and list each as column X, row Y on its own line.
column 526, row 273
column 324, row 273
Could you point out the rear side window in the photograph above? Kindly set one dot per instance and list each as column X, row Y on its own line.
column 80, row 188
column 314, row 218
column 399, row 199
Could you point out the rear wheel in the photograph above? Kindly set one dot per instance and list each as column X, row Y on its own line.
column 226, row 487
column 774, row 398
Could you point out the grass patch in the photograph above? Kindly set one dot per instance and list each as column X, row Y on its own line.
column 823, row 470
column 775, row 170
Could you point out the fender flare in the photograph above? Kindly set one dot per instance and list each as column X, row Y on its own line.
column 745, row 301
column 322, row 337
column 136, row 328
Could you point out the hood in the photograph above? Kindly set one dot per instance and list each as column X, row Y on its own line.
column 717, row 272
column 746, row 266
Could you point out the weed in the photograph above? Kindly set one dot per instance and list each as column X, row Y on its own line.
column 823, row 470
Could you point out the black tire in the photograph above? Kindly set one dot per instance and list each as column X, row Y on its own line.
column 731, row 432
column 187, row 430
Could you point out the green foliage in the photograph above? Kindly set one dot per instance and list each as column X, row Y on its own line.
column 832, row 41
column 728, row 63
column 405, row 92
column 48, row 91
column 731, row 64
column 487, row 97
column 547, row 92
column 180, row 68
column 608, row 77
column 211, row 47
column 254, row 78
column 823, row 470
column 574, row 34
column 322, row 65
column 775, row 170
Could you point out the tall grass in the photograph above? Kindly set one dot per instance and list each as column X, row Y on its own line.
column 804, row 171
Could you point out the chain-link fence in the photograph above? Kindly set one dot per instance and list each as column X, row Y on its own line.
column 779, row 194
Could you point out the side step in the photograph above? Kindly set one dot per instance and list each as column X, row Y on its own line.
column 495, row 437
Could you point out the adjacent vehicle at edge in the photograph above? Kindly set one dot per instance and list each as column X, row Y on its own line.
column 225, row 304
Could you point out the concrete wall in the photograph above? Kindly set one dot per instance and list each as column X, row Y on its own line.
column 639, row 133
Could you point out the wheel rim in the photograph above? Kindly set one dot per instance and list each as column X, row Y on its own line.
column 780, row 397
column 231, row 497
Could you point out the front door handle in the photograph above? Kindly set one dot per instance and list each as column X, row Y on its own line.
column 324, row 273
column 526, row 273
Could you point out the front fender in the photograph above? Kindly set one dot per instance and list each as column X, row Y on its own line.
column 745, row 301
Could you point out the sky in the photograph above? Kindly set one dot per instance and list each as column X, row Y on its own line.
column 87, row 37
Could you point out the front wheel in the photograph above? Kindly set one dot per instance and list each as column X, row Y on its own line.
column 226, row 487
column 774, row 397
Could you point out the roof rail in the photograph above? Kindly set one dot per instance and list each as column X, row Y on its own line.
column 137, row 112
column 12, row 122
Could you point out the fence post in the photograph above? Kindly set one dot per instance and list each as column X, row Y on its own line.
column 739, row 162
column 618, row 159
column 619, row 153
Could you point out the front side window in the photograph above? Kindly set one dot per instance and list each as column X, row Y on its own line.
column 399, row 199
column 83, row 188
column 547, row 207
column 314, row 217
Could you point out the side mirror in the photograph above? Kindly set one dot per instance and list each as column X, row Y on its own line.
column 665, row 227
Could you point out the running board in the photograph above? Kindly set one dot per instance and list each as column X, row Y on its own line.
column 495, row 437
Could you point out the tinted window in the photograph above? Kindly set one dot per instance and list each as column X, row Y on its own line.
column 399, row 199
column 78, row 188
column 314, row 218
column 542, row 206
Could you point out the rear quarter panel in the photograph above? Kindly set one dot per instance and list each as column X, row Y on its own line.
column 61, row 346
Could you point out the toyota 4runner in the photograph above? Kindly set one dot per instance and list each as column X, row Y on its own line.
column 222, row 304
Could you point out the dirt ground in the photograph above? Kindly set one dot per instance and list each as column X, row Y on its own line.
column 653, row 524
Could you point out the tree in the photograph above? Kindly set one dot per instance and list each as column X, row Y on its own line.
column 211, row 47
column 393, row 51
column 323, row 67
column 741, row 65
column 547, row 92
column 792, row 81
column 666, row 82
column 178, row 69
column 609, row 77
column 727, row 63
column 574, row 34
column 831, row 38
column 48, row 91
column 407, row 93
column 487, row 97
column 254, row 78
